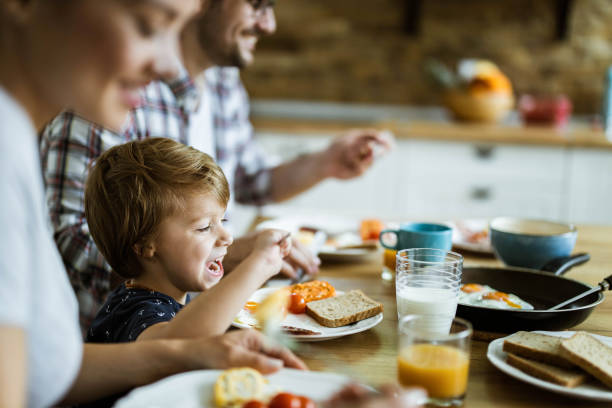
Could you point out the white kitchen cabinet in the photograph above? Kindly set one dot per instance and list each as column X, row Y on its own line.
column 430, row 179
column 455, row 179
column 359, row 197
column 590, row 186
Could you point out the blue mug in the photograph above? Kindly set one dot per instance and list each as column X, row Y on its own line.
column 419, row 235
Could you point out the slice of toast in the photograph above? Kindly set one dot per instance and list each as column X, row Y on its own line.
column 590, row 354
column 343, row 309
column 566, row 377
column 537, row 347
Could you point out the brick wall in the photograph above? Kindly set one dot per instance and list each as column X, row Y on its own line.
column 357, row 50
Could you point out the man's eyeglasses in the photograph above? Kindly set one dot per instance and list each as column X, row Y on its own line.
column 260, row 7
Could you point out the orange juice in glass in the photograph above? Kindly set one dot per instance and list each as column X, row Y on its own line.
column 388, row 267
column 438, row 362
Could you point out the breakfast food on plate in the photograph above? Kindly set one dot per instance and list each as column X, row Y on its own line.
column 306, row 235
column 538, row 347
column 563, row 361
column 272, row 309
column 370, row 229
column 566, row 377
column 327, row 308
column 344, row 309
column 347, row 240
column 246, row 388
column 237, row 386
column 298, row 330
column 590, row 354
column 313, row 290
column 474, row 294
column 283, row 400
column 477, row 237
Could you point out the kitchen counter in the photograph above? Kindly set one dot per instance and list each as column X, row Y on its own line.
column 431, row 123
column 371, row 356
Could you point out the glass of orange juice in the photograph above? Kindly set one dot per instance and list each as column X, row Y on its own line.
column 438, row 362
column 388, row 264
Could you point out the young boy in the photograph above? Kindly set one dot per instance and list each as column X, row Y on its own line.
column 155, row 210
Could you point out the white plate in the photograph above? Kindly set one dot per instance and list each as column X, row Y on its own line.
column 462, row 230
column 591, row 390
column 346, row 228
column 329, row 224
column 245, row 320
column 346, row 255
column 195, row 389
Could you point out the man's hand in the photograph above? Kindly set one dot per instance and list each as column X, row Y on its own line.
column 242, row 348
column 300, row 257
column 346, row 157
column 353, row 153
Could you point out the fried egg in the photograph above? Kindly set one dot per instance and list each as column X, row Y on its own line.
column 473, row 294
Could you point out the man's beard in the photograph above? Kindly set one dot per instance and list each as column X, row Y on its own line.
column 234, row 58
column 218, row 52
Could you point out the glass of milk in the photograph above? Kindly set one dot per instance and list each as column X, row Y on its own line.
column 427, row 283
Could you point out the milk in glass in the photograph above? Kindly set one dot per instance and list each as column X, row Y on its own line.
column 437, row 304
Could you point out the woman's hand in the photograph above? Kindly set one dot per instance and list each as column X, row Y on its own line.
column 390, row 396
column 241, row 348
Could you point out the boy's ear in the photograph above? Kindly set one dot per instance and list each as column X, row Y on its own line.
column 144, row 250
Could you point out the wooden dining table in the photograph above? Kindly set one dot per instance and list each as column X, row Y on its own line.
column 370, row 356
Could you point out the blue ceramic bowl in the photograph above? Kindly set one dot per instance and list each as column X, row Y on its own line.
column 531, row 243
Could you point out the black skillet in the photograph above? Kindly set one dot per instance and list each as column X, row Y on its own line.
column 543, row 289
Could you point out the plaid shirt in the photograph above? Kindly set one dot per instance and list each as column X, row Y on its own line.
column 70, row 144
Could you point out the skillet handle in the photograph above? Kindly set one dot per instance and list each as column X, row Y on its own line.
column 559, row 266
column 606, row 284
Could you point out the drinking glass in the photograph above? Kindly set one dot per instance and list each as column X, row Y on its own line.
column 435, row 361
column 427, row 283
column 388, row 264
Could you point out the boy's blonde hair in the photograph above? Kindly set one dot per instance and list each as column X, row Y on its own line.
column 134, row 186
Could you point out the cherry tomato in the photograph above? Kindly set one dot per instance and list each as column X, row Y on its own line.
column 254, row 404
column 306, row 402
column 297, row 304
column 285, row 400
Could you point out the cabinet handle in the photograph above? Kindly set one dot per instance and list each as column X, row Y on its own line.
column 481, row 193
column 484, row 152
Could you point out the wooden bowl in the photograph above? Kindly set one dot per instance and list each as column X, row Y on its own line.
column 479, row 107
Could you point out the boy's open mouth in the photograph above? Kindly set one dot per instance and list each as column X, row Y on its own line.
column 215, row 268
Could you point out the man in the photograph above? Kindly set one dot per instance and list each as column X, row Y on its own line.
column 205, row 101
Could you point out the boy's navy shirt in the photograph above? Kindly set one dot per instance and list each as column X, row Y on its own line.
column 128, row 311
column 125, row 314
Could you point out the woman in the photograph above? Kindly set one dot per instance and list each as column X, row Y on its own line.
column 92, row 55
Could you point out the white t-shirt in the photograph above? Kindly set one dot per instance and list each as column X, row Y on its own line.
column 201, row 134
column 34, row 290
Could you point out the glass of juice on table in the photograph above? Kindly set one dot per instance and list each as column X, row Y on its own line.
column 388, row 267
column 438, row 362
column 427, row 283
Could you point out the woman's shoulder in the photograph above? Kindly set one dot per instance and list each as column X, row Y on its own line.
column 15, row 125
column 14, row 118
